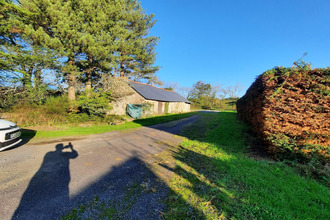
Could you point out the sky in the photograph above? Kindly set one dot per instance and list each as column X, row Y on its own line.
column 226, row 42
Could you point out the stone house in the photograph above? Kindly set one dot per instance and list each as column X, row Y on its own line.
column 157, row 100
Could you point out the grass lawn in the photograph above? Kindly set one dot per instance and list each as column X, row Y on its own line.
column 214, row 178
column 76, row 130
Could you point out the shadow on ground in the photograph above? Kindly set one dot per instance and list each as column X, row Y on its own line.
column 48, row 190
column 128, row 191
column 27, row 135
column 209, row 184
column 216, row 177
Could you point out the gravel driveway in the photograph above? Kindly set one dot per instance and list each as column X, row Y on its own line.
column 46, row 181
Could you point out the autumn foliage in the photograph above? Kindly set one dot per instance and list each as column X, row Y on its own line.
column 289, row 109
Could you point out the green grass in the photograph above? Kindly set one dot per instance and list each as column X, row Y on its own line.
column 214, row 178
column 76, row 130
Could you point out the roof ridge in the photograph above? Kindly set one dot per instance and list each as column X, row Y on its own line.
column 150, row 85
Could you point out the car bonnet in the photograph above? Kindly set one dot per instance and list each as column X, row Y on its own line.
column 4, row 124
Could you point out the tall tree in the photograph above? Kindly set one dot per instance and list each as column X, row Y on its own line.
column 115, row 39
column 10, row 29
column 57, row 25
column 20, row 60
column 94, row 37
column 135, row 49
column 98, row 42
column 201, row 93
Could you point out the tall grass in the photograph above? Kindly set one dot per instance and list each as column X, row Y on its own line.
column 52, row 112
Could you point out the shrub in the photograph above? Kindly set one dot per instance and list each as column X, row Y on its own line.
column 289, row 109
column 56, row 105
column 53, row 111
column 94, row 103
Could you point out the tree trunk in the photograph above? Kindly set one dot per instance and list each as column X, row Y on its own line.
column 122, row 69
column 89, row 72
column 27, row 78
column 37, row 79
column 88, row 85
column 71, row 83
column 71, row 87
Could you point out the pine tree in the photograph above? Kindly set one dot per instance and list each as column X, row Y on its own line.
column 20, row 60
column 135, row 49
column 100, row 21
column 94, row 37
column 57, row 25
column 10, row 29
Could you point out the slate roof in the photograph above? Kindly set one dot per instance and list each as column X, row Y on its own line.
column 157, row 94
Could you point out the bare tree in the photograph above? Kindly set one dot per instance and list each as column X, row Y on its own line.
column 173, row 86
column 234, row 91
column 215, row 89
column 183, row 91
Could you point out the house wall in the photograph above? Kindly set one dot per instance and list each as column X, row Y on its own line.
column 178, row 107
column 119, row 106
column 154, row 107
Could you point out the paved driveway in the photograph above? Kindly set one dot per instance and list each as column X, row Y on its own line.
column 46, row 181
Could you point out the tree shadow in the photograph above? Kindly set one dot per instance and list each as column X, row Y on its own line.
column 213, row 172
column 205, row 179
column 200, row 180
column 48, row 190
column 130, row 190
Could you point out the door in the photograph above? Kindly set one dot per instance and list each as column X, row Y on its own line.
column 160, row 108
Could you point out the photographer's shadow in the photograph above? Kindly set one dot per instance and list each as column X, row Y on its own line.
column 48, row 190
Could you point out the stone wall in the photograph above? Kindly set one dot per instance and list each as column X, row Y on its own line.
column 119, row 106
column 154, row 107
column 178, row 107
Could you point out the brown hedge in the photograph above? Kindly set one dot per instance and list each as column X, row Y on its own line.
column 289, row 109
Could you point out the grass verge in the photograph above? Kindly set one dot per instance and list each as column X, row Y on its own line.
column 214, row 178
column 76, row 130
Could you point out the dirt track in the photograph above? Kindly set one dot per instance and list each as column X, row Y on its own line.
column 46, row 181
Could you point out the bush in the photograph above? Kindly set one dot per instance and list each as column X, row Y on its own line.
column 54, row 111
column 83, row 117
column 94, row 103
column 10, row 97
column 289, row 110
column 56, row 105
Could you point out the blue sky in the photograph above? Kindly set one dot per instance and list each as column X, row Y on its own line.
column 233, row 41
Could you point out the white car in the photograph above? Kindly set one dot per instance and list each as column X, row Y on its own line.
column 10, row 134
